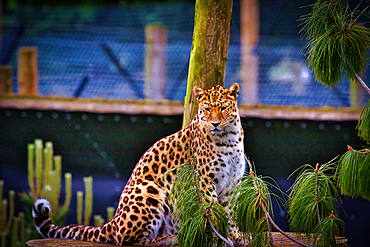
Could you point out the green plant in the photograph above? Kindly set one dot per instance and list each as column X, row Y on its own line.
column 44, row 179
column 353, row 172
column 336, row 45
column 312, row 203
column 13, row 231
column 251, row 205
column 202, row 221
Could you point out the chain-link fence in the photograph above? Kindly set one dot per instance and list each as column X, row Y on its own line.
column 99, row 52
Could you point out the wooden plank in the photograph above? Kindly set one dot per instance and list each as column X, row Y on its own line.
column 278, row 239
column 166, row 108
column 63, row 242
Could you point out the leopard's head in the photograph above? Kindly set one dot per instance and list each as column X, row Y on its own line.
column 217, row 106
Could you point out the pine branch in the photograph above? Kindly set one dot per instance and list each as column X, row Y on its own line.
column 269, row 219
column 337, row 46
column 281, row 231
column 317, row 208
column 229, row 243
column 363, row 84
column 262, row 203
column 359, row 79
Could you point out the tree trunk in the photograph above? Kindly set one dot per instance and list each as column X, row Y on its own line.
column 209, row 50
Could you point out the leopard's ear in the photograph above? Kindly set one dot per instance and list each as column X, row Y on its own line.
column 198, row 92
column 233, row 91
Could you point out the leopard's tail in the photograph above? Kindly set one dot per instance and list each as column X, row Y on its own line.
column 40, row 212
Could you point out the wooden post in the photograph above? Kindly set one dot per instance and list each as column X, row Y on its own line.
column 27, row 71
column 155, row 62
column 209, row 50
column 5, row 79
column 249, row 37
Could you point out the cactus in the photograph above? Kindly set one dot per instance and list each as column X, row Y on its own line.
column 8, row 224
column 44, row 179
column 88, row 204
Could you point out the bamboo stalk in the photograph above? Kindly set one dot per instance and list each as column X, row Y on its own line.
column 52, row 199
column 88, row 199
column 110, row 213
column 68, row 192
column 3, row 218
column 31, row 167
column 48, row 161
column 80, row 197
column 39, row 166
column 15, row 241
column 11, row 209
column 58, row 174
column 22, row 227
column 98, row 221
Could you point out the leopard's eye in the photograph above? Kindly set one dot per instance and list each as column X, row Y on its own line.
column 223, row 108
column 207, row 109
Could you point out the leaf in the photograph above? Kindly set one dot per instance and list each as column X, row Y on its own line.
column 347, row 173
column 363, row 124
column 313, row 195
column 337, row 47
column 364, row 183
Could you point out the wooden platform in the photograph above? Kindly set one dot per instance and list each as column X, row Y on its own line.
column 172, row 108
column 279, row 241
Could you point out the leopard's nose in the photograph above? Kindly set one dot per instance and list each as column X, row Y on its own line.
column 215, row 124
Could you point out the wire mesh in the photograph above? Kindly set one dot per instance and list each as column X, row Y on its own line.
column 99, row 52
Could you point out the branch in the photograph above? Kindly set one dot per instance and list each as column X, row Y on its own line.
column 317, row 206
column 281, row 231
column 229, row 243
column 265, row 211
column 272, row 221
column 363, row 84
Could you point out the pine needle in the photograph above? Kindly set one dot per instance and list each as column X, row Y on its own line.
column 326, row 232
column 347, row 173
column 363, row 125
column 247, row 212
column 364, row 182
column 313, row 195
column 337, row 47
column 193, row 212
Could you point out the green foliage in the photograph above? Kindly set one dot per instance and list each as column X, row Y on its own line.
column 363, row 125
column 250, row 195
column 194, row 210
column 353, row 173
column 336, row 45
column 312, row 196
column 326, row 232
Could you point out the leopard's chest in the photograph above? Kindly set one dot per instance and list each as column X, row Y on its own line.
column 230, row 163
column 222, row 159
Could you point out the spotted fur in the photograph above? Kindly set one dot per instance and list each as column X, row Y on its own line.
column 143, row 216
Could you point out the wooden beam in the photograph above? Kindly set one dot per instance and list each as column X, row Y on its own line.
column 166, row 108
column 279, row 241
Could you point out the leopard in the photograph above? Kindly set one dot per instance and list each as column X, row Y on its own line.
column 144, row 213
